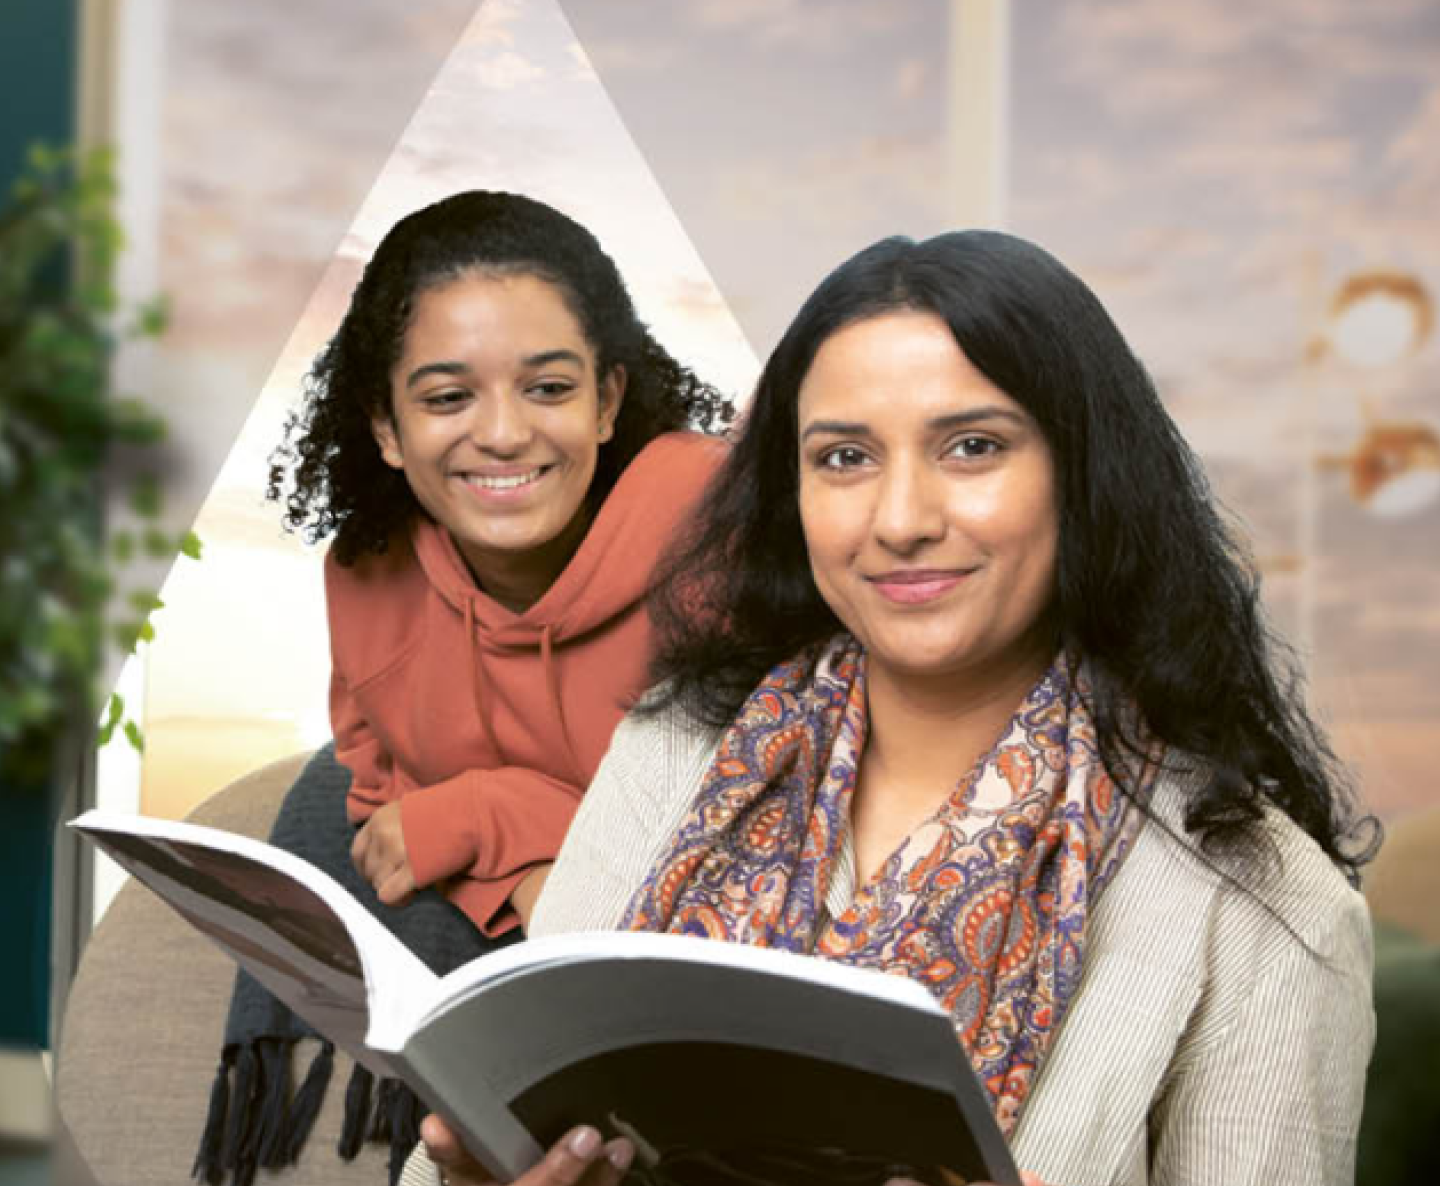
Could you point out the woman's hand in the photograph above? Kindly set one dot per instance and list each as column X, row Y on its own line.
column 379, row 855
column 580, row 1158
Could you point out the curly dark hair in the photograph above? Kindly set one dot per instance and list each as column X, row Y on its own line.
column 1154, row 591
column 328, row 470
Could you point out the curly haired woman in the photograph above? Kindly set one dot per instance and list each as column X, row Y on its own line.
column 493, row 438
column 497, row 445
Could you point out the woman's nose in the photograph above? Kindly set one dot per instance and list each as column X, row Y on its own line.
column 909, row 509
column 500, row 426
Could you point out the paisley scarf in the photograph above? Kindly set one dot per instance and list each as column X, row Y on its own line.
column 984, row 903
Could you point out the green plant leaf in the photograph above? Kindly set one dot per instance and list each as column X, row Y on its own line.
column 135, row 423
column 135, row 737
column 145, row 498
column 152, row 317
column 190, row 545
column 160, row 545
column 114, row 712
column 44, row 159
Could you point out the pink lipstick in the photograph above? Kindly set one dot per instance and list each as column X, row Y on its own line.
column 916, row 586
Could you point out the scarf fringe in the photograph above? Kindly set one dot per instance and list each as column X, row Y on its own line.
column 274, row 1093
column 380, row 1126
column 406, row 1112
column 207, row 1157
column 357, row 1113
column 254, row 1122
column 236, row 1152
column 305, row 1107
column 393, row 1118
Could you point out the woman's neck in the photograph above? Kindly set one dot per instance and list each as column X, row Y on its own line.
column 925, row 735
column 518, row 580
column 929, row 731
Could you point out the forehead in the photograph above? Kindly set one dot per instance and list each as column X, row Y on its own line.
column 501, row 315
column 893, row 364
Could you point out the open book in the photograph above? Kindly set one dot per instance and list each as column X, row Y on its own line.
column 770, row 1065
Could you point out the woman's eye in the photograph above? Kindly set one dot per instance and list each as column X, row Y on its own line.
column 842, row 457
column 444, row 400
column 552, row 389
column 974, row 447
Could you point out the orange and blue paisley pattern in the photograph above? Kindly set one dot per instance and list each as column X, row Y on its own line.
column 984, row 903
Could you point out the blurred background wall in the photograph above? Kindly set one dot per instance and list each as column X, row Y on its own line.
column 1248, row 192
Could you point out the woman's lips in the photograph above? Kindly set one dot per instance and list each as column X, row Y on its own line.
column 917, row 586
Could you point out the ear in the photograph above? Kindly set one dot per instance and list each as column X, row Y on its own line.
column 612, row 395
column 382, row 428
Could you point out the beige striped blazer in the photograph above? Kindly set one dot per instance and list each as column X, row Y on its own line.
column 1207, row 1045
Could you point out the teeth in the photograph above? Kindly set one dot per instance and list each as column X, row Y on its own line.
column 508, row 482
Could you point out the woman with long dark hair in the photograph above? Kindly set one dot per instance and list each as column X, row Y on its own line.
column 965, row 678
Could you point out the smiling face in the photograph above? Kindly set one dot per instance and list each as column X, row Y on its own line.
column 927, row 498
column 497, row 417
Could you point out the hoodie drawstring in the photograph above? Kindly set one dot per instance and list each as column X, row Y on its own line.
column 552, row 681
column 472, row 650
column 552, row 684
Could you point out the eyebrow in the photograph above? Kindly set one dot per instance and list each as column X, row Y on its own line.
column 544, row 358
column 435, row 368
column 936, row 424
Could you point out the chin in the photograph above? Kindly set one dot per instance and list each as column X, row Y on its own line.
column 921, row 662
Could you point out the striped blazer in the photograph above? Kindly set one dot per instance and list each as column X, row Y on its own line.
column 1218, row 1037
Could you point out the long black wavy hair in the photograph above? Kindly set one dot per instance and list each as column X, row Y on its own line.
column 328, row 470
column 1153, row 590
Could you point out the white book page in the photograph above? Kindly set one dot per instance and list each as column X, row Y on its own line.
column 560, row 998
column 292, row 926
column 590, row 946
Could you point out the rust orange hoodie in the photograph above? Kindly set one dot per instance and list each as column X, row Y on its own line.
column 488, row 725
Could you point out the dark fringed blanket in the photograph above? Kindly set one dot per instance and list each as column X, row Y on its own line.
column 255, row 1119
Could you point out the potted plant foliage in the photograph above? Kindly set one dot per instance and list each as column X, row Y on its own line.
column 62, row 429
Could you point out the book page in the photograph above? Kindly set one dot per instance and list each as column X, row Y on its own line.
column 288, row 924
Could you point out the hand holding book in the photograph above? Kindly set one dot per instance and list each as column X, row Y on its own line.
column 582, row 1157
